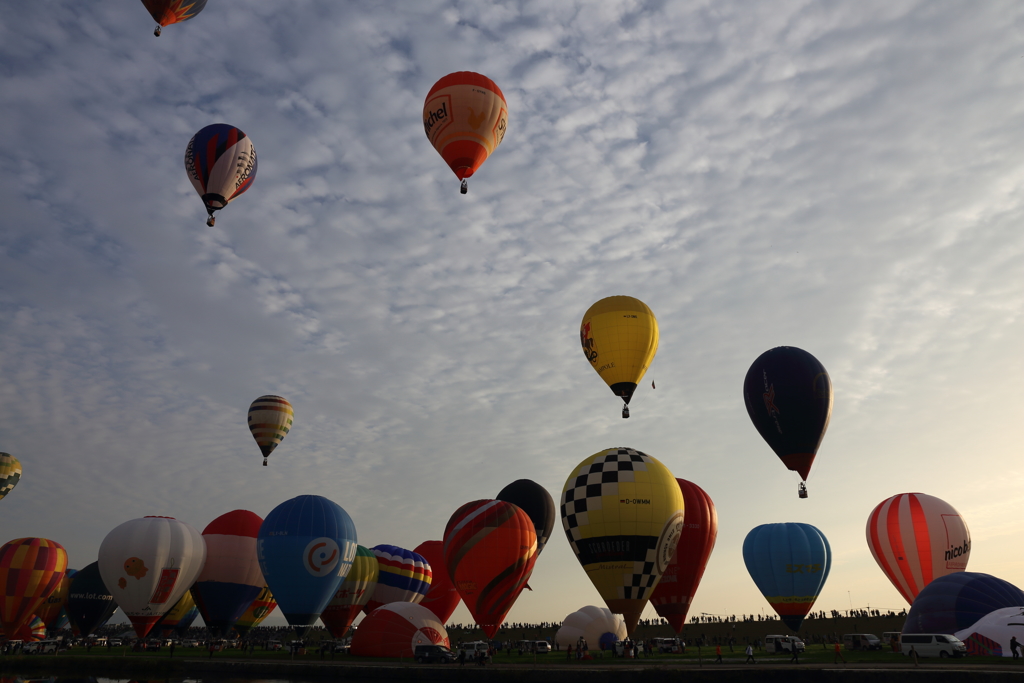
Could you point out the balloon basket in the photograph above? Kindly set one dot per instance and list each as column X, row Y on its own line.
column 625, row 412
column 464, row 189
column 801, row 490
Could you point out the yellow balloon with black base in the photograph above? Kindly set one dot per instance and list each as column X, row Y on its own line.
column 619, row 335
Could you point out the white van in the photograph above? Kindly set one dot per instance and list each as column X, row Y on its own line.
column 472, row 648
column 667, row 645
column 777, row 644
column 933, row 645
column 861, row 641
column 542, row 647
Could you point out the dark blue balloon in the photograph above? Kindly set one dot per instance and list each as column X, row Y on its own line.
column 306, row 546
column 789, row 562
column 90, row 604
column 953, row 602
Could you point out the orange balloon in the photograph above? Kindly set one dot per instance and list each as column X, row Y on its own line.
column 30, row 570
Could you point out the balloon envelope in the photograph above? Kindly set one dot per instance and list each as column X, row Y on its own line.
column 990, row 636
column 620, row 336
column 788, row 395
column 354, row 592
column 465, row 117
column 404, row 576
column 259, row 610
column 596, row 625
column 167, row 12
column 31, row 569
column 32, row 630
column 395, row 629
column 148, row 564
column 90, row 604
column 956, row 601
column 916, row 538
column 221, row 164
column 231, row 578
column 52, row 610
column 179, row 618
column 674, row 593
column 789, row 562
column 306, row 547
column 10, row 473
column 535, row 501
column 622, row 512
column 490, row 548
column 270, row 420
column 442, row 597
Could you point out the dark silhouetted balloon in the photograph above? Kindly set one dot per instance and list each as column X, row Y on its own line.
column 535, row 501
column 953, row 602
column 90, row 604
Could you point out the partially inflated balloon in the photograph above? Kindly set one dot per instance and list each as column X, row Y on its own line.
column 231, row 578
column 167, row 12
column 33, row 629
column 597, row 625
column 179, row 618
column 404, row 576
column 490, row 547
column 259, row 610
column 465, row 117
column 354, row 592
column 148, row 564
column 789, row 562
column 535, row 501
column 31, row 569
column 678, row 584
column 619, row 335
column 270, row 419
column 221, row 164
column 306, row 547
column 956, row 601
column 395, row 629
column 442, row 597
column 916, row 538
column 10, row 473
column 788, row 395
column 90, row 604
column 622, row 512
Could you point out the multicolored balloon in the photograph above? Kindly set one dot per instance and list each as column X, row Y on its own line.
column 52, row 610
column 788, row 395
column 148, row 564
column 221, row 164
column 306, row 546
column 31, row 569
column 10, row 473
column 442, row 597
column 167, row 12
column 33, row 630
column 231, row 578
column 789, row 562
column 90, row 604
column 535, row 501
column 270, row 420
column 490, row 547
column 623, row 512
column 354, row 592
column 404, row 577
column 620, row 336
column 179, row 618
column 674, row 593
column 259, row 610
column 465, row 117
column 916, row 538
column 395, row 629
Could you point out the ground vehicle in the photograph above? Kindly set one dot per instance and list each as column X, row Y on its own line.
column 542, row 647
column 273, row 645
column 41, row 647
column 472, row 648
column 777, row 644
column 190, row 643
column 861, row 641
column 114, row 642
column 426, row 654
column 933, row 645
column 889, row 636
column 667, row 645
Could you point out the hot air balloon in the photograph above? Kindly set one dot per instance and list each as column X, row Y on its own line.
column 32, row 630
column 465, row 117
column 596, row 625
column 619, row 335
column 672, row 597
column 404, row 576
column 179, row 618
column 10, row 473
column 259, row 610
column 442, row 597
column 535, row 501
column 167, row 12
column 231, row 578
column 31, row 569
column 395, row 629
column 954, row 602
column 270, row 419
column 354, row 592
column 788, row 395
column 148, row 564
column 52, row 610
column 90, row 604
column 221, row 164
column 306, row 548
column 490, row 547
column 916, row 538
column 789, row 562
column 622, row 512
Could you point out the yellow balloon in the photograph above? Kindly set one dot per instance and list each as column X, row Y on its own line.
column 619, row 335
column 622, row 512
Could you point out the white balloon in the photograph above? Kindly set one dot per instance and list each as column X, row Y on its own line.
column 997, row 627
column 591, row 623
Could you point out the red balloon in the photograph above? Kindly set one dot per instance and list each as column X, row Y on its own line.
column 442, row 597
column 30, row 570
column 490, row 547
column 395, row 629
column 673, row 594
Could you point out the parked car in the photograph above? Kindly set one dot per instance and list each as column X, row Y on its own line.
column 428, row 654
column 861, row 641
column 777, row 644
column 41, row 647
column 933, row 645
column 667, row 645
column 542, row 647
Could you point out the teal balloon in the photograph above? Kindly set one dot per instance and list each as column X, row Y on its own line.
column 789, row 562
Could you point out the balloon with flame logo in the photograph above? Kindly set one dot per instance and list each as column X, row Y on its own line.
column 167, row 12
column 442, row 597
column 10, row 473
column 148, row 564
column 916, row 538
column 354, row 592
column 31, row 569
column 52, row 610
column 622, row 512
column 221, row 165
column 789, row 563
column 465, row 117
column 90, row 604
column 395, row 629
column 674, row 593
column 259, row 610
column 788, row 395
column 231, row 578
column 270, row 420
column 306, row 546
column 490, row 547
column 178, row 619
column 620, row 336
column 403, row 576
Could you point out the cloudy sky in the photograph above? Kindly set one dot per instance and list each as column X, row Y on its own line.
column 842, row 177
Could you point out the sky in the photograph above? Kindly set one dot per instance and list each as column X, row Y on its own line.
column 842, row 177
